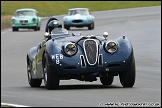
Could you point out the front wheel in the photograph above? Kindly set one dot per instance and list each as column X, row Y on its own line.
column 67, row 27
column 15, row 29
column 91, row 26
column 127, row 78
column 107, row 80
column 32, row 82
column 51, row 80
column 39, row 28
column 36, row 28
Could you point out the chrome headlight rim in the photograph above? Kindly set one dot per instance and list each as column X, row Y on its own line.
column 34, row 20
column 66, row 19
column 13, row 20
column 111, row 47
column 70, row 49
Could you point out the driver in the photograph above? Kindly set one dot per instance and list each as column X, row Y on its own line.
column 51, row 24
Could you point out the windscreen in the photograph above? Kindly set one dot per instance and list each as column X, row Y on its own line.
column 25, row 12
column 82, row 12
column 59, row 32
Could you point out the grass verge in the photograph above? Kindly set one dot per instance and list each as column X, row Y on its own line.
column 6, row 106
column 52, row 8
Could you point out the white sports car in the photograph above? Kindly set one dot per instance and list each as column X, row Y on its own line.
column 78, row 17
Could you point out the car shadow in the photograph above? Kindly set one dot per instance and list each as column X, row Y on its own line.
column 78, row 29
column 84, row 86
column 79, row 87
column 94, row 86
column 25, row 30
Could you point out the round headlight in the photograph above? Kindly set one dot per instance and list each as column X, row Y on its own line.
column 13, row 20
column 70, row 49
column 89, row 19
column 111, row 47
column 34, row 20
column 65, row 19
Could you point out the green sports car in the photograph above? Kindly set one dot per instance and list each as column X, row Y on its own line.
column 26, row 18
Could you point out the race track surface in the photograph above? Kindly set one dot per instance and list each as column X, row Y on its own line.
column 142, row 26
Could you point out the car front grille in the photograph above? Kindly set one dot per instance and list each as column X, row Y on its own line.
column 23, row 21
column 91, row 51
column 77, row 21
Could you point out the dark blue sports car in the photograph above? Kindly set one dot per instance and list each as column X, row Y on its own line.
column 74, row 56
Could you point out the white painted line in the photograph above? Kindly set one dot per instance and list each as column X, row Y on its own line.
column 6, row 30
column 14, row 105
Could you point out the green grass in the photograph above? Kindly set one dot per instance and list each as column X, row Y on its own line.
column 52, row 8
column 6, row 105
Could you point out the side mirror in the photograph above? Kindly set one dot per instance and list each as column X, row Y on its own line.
column 37, row 13
column 46, row 35
column 105, row 35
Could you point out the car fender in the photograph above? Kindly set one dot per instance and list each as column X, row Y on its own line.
column 56, row 55
column 32, row 53
column 124, row 52
column 125, row 48
column 52, row 48
column 39, row 21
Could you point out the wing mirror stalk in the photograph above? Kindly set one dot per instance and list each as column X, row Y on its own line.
column 46, row 35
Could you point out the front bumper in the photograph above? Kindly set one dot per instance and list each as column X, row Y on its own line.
column 28, row 25
column 76, row 69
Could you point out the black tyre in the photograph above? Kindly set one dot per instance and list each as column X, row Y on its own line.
column 32, row 82
column 67, row 27
column 36, row 28
column 15, row 29
column 51, row 80
column 127, row 79
column 107, row 80
column 91, row 26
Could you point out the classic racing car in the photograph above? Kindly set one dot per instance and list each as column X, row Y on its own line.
column 78, row 17
column 82, row 57
column 26, row 18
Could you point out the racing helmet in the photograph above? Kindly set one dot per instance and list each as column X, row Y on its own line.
column 54, row 24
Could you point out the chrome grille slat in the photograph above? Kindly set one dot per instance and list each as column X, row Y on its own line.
column 100, row 60
column 83, row 63
column 23, row 21
column 91, row 51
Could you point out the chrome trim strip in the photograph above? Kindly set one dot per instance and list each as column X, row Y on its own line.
column 100, row 57
column 82, row 60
